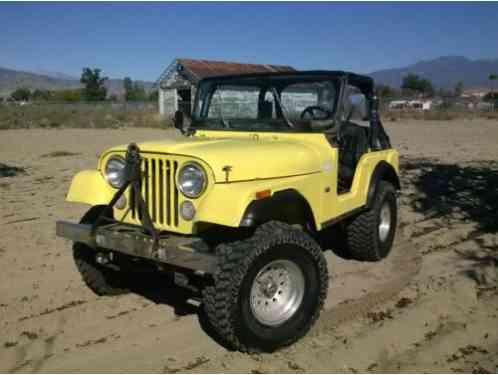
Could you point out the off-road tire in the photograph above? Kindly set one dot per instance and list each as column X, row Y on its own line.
column 226, row 300
column 362, row 233
column 102, row 280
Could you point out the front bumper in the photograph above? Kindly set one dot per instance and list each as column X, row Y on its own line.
column 182, row 251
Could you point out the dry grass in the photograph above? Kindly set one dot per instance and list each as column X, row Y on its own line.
column 436, row 115
column 100, row 117
column 60, row 116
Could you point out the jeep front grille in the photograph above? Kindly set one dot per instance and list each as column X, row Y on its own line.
column 159, row 191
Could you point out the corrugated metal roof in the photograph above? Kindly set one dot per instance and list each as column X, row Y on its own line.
column 207, row 68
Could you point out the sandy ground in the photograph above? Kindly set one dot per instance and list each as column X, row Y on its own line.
column 431, row 306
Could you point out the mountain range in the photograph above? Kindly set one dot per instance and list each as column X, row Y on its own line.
column 12, row 79
column 444, row 72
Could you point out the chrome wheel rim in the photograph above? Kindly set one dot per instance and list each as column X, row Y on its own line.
column 277, row 292
column 385, row 221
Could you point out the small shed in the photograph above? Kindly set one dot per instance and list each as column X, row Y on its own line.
column 177, row 84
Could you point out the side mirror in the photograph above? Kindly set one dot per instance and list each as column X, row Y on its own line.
column 181, row 121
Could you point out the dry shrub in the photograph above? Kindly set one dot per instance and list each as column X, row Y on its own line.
column 492, row 115
column 75, row 116
column 440, row 115
column 434, row 115
column 58, row 154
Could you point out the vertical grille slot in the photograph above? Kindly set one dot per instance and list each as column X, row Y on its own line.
column 175, row 205
column 159, row 192
column 150, row 181
column 171, row 193
column 146, row 183
column 153, row 190
column 168, row 192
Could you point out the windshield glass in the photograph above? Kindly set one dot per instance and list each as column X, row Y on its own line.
column 268, row 103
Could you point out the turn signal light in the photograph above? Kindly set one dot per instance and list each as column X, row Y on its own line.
column 263, row 194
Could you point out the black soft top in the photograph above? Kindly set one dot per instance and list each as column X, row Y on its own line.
column 364, row 83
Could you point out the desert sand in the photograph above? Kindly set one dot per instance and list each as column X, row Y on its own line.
column 431, row 306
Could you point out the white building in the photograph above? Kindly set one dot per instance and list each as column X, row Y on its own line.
column 422, row 105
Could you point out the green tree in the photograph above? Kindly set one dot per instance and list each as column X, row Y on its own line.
column 426, row 87
column 385, row 91
column 412, row 82
column 133, row 90
column 493, row 77
column 490, row 97
column 154, row 96
column 40, row 94
column 128, row 88
column 69, row 96
column 21, row 94
column 95, row 89
column 459, row 89
column 139, row 90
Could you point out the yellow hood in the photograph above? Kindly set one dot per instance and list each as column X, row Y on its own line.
column 250, row 156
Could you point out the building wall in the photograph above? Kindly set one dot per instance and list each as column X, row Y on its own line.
column 168, row 95
column 168, row 101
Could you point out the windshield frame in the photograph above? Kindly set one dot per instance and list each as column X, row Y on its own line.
column 265, row 83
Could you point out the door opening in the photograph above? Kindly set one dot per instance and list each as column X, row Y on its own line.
column 184, row 100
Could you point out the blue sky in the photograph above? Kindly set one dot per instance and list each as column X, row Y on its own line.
column 141, row 39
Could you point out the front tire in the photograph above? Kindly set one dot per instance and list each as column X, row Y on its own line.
column 102, row 280
column 269, row 289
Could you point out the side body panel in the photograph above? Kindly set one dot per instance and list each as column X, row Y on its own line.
column 358, row 195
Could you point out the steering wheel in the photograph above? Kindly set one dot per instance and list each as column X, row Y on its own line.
column 311, row 110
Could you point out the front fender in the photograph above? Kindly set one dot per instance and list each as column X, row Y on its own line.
column 228, row 202
column 90, row 187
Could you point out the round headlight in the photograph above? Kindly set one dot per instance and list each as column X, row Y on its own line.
column 114, row 171
column 191, row 180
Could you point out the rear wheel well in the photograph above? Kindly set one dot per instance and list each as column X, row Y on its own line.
column 287, row 206
column 383, row 172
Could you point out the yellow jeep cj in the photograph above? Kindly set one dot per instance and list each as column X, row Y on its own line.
column 234, row 208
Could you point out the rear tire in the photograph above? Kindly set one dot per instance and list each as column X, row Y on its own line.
column 102, row 280
column 268, row 290
column 370, row 235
